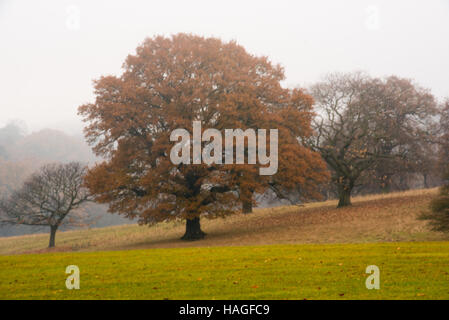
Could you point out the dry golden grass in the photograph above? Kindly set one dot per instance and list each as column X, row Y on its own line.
column 373, row 218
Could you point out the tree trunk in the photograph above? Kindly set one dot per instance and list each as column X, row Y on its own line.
column 193, row 230
column 247, row 206
column 52, row 236
column 247, row 200
column 344, row 196
column 426, row 184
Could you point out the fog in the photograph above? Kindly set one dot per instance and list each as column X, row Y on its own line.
column 50, row 51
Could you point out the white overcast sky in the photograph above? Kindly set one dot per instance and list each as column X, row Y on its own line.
column 50, row 51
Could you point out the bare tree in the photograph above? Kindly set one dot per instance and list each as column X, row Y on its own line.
column 364, row 122
column 49, row 197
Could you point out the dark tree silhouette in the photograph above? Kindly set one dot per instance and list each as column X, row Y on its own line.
column 49, row 197
column 444, row 136
column 439, row 214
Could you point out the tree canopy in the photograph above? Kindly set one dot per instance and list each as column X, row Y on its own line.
column 365, row 123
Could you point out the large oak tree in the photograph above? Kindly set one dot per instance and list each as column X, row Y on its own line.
column 169, row 83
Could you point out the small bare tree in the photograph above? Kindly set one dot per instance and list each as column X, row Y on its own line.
column 49, row 197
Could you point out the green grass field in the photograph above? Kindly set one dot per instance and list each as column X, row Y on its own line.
column 310, row 252
column 334, row 271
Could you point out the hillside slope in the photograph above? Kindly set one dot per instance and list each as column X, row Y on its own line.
column 377, row 218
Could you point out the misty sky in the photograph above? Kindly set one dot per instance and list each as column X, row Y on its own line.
column 50, row 51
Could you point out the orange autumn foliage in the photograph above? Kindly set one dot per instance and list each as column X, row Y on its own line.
column 169, row 83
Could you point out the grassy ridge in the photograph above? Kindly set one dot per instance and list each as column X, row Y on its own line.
column 407, row 271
